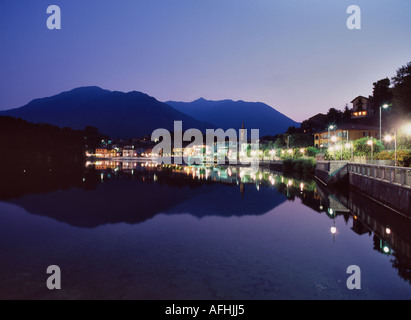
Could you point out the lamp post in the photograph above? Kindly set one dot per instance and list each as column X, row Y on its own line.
column 371, row 143
column 334, row 139
column 388, row 139
column 385, row 106
column 407, row 129
column 347, row 134
column 350, row 145
column 331, row 127
column 288, row 141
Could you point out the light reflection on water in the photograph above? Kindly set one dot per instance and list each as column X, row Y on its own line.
column 132, row 230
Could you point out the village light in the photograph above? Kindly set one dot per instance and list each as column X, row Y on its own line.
column 302, row 150
column 388, row 138
column 370, row 143
column 384, row 106
column 407, row 128
column 334, row 138
column 333, row 230
column 331, row 127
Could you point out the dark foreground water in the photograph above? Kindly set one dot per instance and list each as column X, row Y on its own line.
column 133, row 231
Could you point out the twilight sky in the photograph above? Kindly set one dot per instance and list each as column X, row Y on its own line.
column 296, row 55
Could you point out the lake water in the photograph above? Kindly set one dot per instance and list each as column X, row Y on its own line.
column 131, row 230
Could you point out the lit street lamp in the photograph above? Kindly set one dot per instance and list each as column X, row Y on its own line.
column 349, row 145
column 371, row 143
column 332, row 149
column 385, row 106
column 388, row 138
column 331, row 127
column 272, row 153
column 338, row 147
column 334, row 139
column 407, row 129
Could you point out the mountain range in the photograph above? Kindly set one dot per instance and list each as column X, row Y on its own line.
column 227, row 114
column 133, row 114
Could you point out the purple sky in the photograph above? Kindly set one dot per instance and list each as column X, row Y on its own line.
column 297, row 56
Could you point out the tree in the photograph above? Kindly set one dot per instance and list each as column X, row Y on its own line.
column 279, row 143
column 402, row 90
column 312, row 152
column 301, row 140
column 292, row 130
column 362, row 148
column 346, row 113
column 381, row 94
column 333, row 116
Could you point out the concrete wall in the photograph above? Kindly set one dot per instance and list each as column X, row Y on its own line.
column 325, row 170
column 392, row 195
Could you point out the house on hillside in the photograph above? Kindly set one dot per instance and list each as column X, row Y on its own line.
column 361, row 108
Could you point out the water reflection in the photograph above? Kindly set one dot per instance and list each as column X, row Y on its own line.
column 390, row 231
column 108, row 192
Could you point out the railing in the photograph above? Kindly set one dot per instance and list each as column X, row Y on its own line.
column 394, row 175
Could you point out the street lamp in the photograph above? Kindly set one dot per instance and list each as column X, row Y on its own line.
column 407, row 129
column 338, row 147
column 388, row 138
column 371, row 143
column 350, row 146
column 272, row 153
column 332, row 149
column 347, row 133
column 331, row 127
column 334, row 139
column 385, row 106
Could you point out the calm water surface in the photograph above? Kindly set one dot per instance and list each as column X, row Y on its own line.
column 133, row 231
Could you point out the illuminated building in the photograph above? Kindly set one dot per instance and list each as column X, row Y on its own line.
column 344, row 133
column 361, row 108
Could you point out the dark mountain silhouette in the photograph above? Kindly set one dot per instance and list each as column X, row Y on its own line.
column 117, row 114
column 227, row 114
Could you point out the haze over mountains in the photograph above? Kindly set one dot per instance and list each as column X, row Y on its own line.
column 133, row 114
